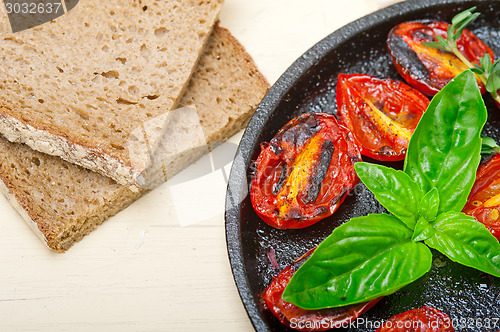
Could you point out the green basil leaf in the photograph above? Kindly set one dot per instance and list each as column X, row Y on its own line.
column 460, row 17
column 363, row 259
column 493, row 83
column 478, row 71
column 444, row 43
column 466, row 241
column 444, row 150
column 423, row 230
column 395, row 190
column 429, row 205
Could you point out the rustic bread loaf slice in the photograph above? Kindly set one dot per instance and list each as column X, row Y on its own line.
column 76, row 87
column 63, row 202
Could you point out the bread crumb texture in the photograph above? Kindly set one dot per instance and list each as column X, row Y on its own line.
column 95, row 74
column 64, row 202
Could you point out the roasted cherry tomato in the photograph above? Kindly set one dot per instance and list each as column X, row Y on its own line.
column 484, row 199
column 304, row 173
column 381, row 113
column 302, row 319
column 425, row 68
column 425, row 319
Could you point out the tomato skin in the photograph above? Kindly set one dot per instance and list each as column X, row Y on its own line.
column 302, row 319
column 425, row 68
column 305, row 172
column 382, row 133
column 483, row 202
column 425, row 319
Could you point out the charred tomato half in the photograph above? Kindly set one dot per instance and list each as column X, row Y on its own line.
column 304, row 173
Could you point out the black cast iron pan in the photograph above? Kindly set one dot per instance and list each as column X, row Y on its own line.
column 467, row 296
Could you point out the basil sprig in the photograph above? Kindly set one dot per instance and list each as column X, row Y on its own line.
column 376, row 255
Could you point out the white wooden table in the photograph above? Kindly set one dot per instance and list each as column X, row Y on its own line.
column 160, row 265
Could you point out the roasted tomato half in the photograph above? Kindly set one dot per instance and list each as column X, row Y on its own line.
column 304, row 173
column 302, row 319
column 425, row 68
column 425, row 319
column 483, row 202
column 381, row 113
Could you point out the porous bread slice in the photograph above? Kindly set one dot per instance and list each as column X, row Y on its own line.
column 228, row 88
column 63, row 202
column 76, row 87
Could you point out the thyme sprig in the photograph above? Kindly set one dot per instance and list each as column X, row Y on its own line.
column 487, row 70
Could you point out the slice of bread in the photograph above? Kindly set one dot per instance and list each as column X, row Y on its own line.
column 77, row 87
column 63, row 202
